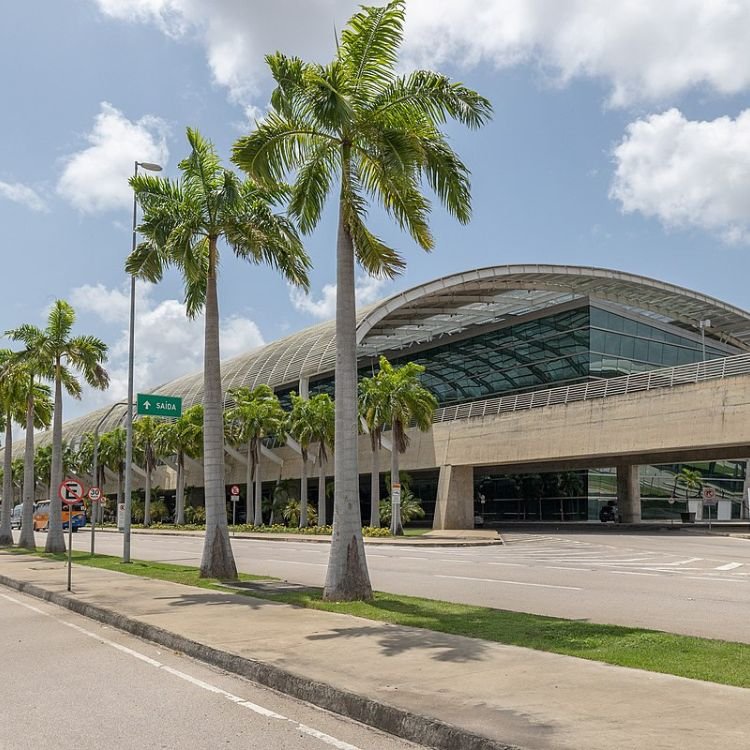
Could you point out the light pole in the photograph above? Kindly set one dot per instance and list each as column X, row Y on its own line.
column 129, row 413
column 703, row 324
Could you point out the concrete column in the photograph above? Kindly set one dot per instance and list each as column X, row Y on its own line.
column 455, row 498
column 629, row 494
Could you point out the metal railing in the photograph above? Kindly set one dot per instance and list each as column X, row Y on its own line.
column 714, row 369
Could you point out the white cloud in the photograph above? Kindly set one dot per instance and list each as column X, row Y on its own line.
column 23, row 194
column 368, row 289
column 96, row 178
column 643, row 50
column 168, row 344
column 687, row 173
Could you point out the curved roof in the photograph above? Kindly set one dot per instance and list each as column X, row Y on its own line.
column 446, row 306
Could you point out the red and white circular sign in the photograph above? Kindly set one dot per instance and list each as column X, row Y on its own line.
column 95, row 495
column 234, row 490
column 70, row 491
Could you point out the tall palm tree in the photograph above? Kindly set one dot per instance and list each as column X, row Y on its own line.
column 43, row 466
column 405, row 401
column 13, row 380
column 35, row 365
column 184, row 223
column 256, row 414
column 184, row 438
column 690, row 479
column 371, row 409
column 112, row 453
column 146, row 443
column 60, row 355
column 356, row 128
column 324, row 427
column 301, row 426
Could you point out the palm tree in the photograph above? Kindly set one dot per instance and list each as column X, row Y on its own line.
column 356, row 128
column 301, row 426
column 256, row 414
column 33, row 364
column 13, row 381
column 59, row 356
column 184, row 223
column 184, row 438
column 404, row 400
column 410, row 508
column 43, row 466
column 690, row 479
column 112, row 453
column 146, row 443
column 371, row 409
column 324, row 425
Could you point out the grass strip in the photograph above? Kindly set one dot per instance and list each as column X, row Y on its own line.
column 723, row 662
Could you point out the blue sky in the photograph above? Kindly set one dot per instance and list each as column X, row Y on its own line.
column 621, row 139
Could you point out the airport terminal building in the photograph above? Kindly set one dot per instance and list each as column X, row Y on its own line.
column 560, row 389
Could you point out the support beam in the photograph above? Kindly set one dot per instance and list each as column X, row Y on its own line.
column 629, row 494
column 455, row 498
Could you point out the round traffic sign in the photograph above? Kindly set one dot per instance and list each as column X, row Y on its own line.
column 70, row 491
column 95, row 495
column 234, row 490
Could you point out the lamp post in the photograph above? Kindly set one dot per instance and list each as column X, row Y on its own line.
column 703, row 324
column 129, row 413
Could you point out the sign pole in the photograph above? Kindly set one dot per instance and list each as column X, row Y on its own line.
column 70, row 492
column 70, row 545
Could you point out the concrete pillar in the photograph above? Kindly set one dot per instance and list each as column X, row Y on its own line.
column 455, row 498
column 629, row 494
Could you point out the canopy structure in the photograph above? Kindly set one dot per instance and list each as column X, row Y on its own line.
column 442, row 308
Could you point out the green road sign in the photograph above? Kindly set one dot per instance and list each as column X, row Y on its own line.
column 156, row 405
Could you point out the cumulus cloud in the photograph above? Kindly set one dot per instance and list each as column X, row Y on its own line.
column 368, row 289
column 168, row 343
column 96, row 178
column 23, row 194
column 644, row 51
column 687, row 173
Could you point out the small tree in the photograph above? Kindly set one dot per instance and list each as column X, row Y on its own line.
column 146, row 444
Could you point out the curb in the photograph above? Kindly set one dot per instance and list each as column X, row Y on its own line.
column 322, row 539
column 396, row 721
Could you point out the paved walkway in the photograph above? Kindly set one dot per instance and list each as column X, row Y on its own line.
column 512, row 696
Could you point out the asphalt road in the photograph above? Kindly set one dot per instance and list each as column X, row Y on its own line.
column 684, row 583
column 68, row 682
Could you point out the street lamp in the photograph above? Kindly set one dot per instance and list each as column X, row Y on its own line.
column 129, row 413
column 703, row 324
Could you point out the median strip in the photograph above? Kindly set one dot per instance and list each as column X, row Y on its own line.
column 722, row 662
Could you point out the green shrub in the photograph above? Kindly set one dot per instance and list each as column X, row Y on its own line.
column 195, row 515
column 375, row 531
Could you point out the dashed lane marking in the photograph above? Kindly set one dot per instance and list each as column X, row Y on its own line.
column 512, row 583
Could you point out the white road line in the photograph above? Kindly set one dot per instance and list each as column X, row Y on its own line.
column 512, row 583
column 729, row 566
column 260, row 710
column 717, row 579
column 412, row 558
column 508, row 565
column 563, row 567
column 293, row 562
column 634, row 573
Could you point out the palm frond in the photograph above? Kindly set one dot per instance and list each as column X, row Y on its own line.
column 313, row 184
column 147, row 261
column 369, row 46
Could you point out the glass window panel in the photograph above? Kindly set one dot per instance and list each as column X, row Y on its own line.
column 641, row 350
column 655, row 352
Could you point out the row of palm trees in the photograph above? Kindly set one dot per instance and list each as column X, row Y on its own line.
column 353, row 129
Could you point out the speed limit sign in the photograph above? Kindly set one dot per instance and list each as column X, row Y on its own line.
column 95, row 495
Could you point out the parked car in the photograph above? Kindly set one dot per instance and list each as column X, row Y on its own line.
column 15, row 516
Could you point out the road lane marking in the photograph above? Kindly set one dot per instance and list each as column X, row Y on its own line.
column 729, row 566
column 563, row 567
column 634, row 573
column 293, row 562
column 254, row 707
column 512, row 583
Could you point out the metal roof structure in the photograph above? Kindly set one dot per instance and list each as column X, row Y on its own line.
column 444, row 307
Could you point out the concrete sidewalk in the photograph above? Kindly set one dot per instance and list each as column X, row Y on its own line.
column 439, row 690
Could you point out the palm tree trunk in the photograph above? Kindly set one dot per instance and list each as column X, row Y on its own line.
column 179, row 509
column 55, row 536
column 375, row 487
column 347, row 577
column 147, row 500
column 249, row 473
column 217, row 560
column 322, row 515
column 258, row 490
column 26, row 539
column 6, row 534
column 303, row 493
column 396, row 528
